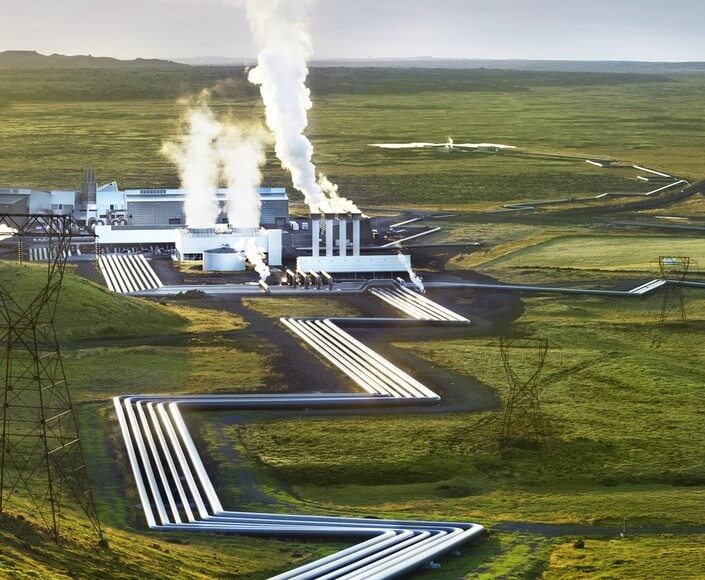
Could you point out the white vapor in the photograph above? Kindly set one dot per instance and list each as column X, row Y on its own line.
column 338, row 203
column 241, row 153
column 280, row 31
column 416, row 280
column 194, row 154
column 255, row 256
column 6, row 231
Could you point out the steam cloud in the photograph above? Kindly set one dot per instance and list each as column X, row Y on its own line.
column 193, row 152
column 241, row 153
column 208, row 149
column 416, row 280
column 280, row 30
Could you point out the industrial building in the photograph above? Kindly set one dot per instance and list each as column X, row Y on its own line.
column 164, row 207
column 24, row 200
column 339, row 236
column 153, row 220
column 109, row 205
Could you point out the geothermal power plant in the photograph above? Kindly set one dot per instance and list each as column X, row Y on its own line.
column 134, row 227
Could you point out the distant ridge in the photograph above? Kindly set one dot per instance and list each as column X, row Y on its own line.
column 25, row 59
column 596, row 66
column 592, row 66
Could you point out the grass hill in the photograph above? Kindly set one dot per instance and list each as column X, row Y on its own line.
column 31, row 59
column 87, row 310
column 201, row 363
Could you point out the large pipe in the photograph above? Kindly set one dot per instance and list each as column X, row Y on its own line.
column 329, row 233
column 342, row 233
column 315, row 234
column 177, row 493
column 356, row 217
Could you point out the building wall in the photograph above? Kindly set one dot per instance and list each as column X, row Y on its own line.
column 273, row 209
column 155, row 213
column 36, row 201
column 14, row 203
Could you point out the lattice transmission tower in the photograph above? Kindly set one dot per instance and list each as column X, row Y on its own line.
column 41, row 458
column 523, row 360
column 674, row 270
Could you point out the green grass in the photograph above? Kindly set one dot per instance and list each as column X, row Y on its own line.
column 27, row 553
column 620, row 399
column 631, row 557
column 86, row 310
column 279, row 307
column 53, row 122
column 99, row 373
column 601, row 252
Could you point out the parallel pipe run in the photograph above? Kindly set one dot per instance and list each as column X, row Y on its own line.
column 177, row 494
column 128, row 273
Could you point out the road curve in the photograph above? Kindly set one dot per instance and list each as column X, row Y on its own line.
column 177, row 494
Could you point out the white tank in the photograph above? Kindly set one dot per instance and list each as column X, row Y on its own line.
column 223, row 259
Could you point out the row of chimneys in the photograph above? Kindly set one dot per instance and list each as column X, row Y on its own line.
column 342, row 233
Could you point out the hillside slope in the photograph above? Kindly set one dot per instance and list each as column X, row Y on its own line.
column 87, row 310
column 32, row 59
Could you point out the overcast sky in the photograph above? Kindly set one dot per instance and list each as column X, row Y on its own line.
column 533, row 29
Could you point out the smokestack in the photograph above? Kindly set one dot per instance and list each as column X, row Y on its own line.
column 315, row 234
column 356, row 217
column 329, row 233
column 89, row 187
column 342, row 233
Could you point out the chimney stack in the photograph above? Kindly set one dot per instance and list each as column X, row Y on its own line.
column 315, row 234
column 329, row 234
column 342, row 233
column 89, row 187
column 356, row 217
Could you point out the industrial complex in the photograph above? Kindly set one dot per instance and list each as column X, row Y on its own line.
column 134, row 227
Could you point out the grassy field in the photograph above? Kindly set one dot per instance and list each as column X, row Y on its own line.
column 87, row 310
column 662, row 557
column 53, row 124
column 622, row 397
column 279, row 307
column 614, row 253
column 556, row 254
column 203, row 360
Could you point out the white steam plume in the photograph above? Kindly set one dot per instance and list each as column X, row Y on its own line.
column 338, row 203
column 255, row 255
column 280, row 30
column 416, row 280
column 193, row 152
column 6, row 231
column 241, row 153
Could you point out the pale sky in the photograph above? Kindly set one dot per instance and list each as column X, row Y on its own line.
column 530, row 29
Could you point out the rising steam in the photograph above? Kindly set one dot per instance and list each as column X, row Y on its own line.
column 194, row 153
column 416, row 280
column 209, row 148
column 255, row 256
column 280, row 30
column 241, row 153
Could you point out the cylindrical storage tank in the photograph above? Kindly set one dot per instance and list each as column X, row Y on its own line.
column 223, row 259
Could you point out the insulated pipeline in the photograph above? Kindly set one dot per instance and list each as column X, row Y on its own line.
column 177, row 493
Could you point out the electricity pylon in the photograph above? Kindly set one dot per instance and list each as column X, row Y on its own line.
column 41, row 459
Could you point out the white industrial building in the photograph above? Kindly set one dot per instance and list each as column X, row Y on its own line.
column 190, row 244
column 108, row 204
column 164, row 207
column 342, row 252
column 20, row 200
